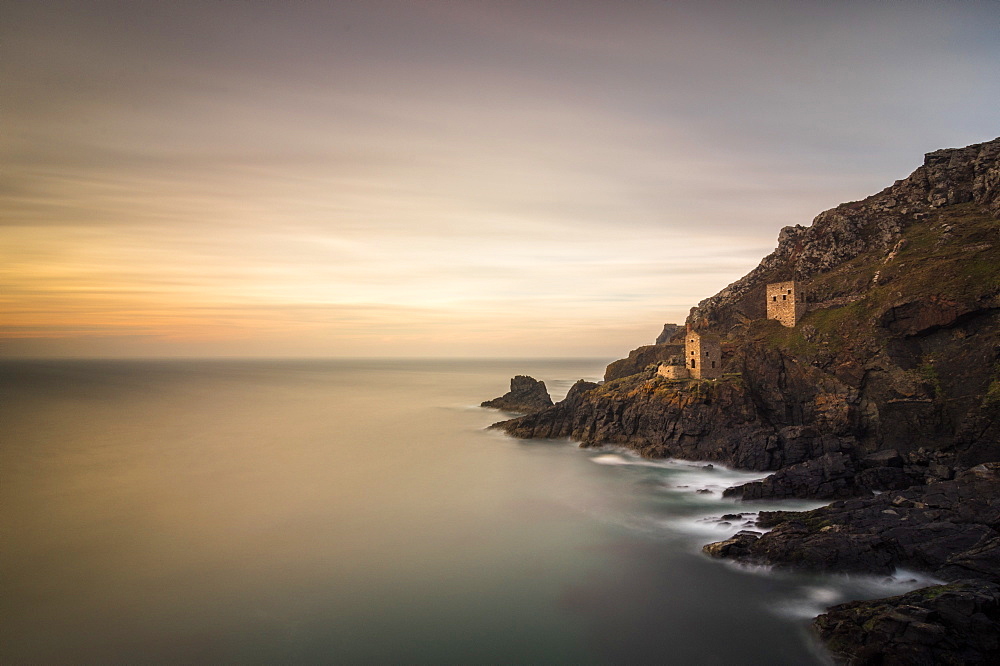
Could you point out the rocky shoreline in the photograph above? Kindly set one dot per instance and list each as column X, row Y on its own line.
column 884, row 398
column 940, row 520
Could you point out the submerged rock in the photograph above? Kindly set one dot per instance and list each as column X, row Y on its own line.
column 945, row 624
column 526, row 395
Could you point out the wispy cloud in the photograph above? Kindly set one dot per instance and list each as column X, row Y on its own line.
column 442, row 177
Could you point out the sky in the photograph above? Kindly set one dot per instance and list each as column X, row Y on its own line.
column 443, row 178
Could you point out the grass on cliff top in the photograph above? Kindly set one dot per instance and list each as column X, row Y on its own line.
column 649, row 384
column 960, row 264
column 953, row 255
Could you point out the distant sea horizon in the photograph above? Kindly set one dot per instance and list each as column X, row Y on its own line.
column 358, row 510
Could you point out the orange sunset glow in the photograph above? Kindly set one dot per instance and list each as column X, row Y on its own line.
column 431, row 178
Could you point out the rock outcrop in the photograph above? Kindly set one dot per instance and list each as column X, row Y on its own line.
column 646, row 413
column 667, row 334
column 526, row 395
column 951, row 625
column 831, row 476
column 641, row 358
column 950, row 177
column 949, row 529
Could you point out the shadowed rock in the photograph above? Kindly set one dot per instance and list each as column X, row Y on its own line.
column 945, row 624
column 950, row 529
column 831, row 476
column 527, row 395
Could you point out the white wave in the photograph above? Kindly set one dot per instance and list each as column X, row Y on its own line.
column 814, row 600
column 697, row 468
column 610, row 459
column 900, row 582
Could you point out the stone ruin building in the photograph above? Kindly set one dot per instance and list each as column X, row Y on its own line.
column 785, row 302
column 675, row 371
column 703, row 355
column 702, row 358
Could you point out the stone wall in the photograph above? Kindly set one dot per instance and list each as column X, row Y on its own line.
column 673, row 371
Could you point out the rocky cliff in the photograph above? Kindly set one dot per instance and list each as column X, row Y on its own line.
column 865, row 231
column 900, row 347
column 668, row 333
column 885, row 396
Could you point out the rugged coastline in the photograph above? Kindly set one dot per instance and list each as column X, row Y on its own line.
column 884, row 395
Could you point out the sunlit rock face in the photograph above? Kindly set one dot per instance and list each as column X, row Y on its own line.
column 668, row 332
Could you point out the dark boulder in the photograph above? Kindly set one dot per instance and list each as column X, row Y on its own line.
column 886, row 458
column 883, row 478
column 980, row 561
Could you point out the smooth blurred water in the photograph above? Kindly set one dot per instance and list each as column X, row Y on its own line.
column 358, row 512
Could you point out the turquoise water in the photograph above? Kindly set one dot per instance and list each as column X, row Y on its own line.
column 358, row 512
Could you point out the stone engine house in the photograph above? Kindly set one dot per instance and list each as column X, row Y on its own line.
column 702, row 358
column 785, row 302
column 703, row 355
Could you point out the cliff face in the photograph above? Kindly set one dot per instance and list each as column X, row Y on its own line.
column 900, row 348
column 668, row 332
column 875, row 225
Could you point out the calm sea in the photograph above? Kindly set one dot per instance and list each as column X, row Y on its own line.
column 358, row 512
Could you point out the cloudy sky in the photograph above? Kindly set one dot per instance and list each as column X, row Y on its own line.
column 434, row 177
